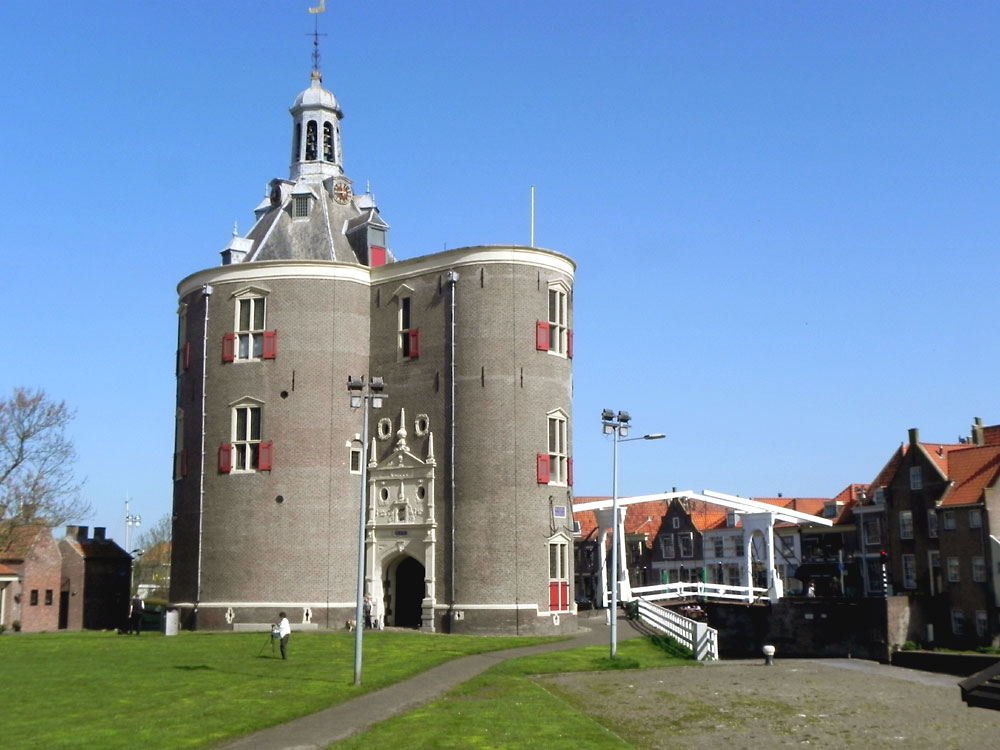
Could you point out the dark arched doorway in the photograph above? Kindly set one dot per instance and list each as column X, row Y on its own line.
column 409, row 590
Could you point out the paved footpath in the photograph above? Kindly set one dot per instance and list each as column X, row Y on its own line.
column 322, row 729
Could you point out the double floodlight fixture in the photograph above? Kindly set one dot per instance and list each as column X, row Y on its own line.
column 613, row 423
column 356, row 387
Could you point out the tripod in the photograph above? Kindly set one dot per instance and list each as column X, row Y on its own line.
column 271, row 638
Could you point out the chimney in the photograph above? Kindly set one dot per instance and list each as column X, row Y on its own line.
column 81, row 533
column 978, row 438
column 914, row 435
column 99, row 532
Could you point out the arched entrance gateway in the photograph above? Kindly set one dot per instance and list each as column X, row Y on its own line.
column 405, row 593
column 400, row 549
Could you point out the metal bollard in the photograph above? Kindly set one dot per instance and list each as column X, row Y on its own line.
column 769, row 655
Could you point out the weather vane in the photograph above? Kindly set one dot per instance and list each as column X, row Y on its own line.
column 321, row 8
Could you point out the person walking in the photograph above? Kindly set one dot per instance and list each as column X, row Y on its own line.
column 135, row 615
column 368, row 612
column 284, row 630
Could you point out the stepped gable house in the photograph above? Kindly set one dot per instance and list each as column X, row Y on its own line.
column 469, row 462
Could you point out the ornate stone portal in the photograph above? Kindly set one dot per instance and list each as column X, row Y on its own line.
column 401, row 526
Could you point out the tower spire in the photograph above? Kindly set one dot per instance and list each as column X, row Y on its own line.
column 321, row 8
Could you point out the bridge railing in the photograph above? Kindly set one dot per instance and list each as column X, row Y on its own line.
column 697, row 636
column 693, row 589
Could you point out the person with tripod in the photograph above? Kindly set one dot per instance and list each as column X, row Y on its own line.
column 284, row 630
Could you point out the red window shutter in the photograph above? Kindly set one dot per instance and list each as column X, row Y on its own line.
column 569, row 343
column 564, row 595
column 553, row 595
column 265, row 458
column 225, row 459
column 414, row 343
column 543, row 468
column 542, row 336
column 377, row 256
column 269, row 348
column 569, row 471
column 187, row 354
column 229, row 347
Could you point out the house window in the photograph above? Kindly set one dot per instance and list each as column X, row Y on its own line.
column 667, row 546
column 916, row 478
column 246, row 438
column 558, row 453
column 676, row 522
column 932, row 531
column 250, row 327
column 949, row 520
column 355, row 459
column 686, row 542
column 873, row 530
column 905, row 524
column 720, row 548
column 957, row 622
column 975, row 518
column 34, row 598
column 879, row 495
column 786, row 545
column 558, row 331
column 909, row 572
column 982, row 623
column 409, row 337
column 739, row 545
column 558, row 575
column 979, row 569
column 300, row 206
column 733, row 574
column 953, row 570
column 48, row 597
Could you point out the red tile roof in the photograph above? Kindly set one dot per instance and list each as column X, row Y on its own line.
column 21, row 541
column 5, row 571
column 971, row 470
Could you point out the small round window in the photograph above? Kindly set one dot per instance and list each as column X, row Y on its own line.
column 384, row 428
column 384, row 493
column 421, row 425
column 421, row 493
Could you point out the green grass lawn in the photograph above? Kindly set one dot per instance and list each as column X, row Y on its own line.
column 505, row 708
column 73, row 690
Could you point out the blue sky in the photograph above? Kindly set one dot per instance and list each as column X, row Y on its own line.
column 784, row 214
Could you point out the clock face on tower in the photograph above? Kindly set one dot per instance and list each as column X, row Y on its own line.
column 341, row 191
column 275, row 195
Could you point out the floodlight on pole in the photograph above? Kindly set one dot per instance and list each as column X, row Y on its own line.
column 618, row 426
column 360, row 396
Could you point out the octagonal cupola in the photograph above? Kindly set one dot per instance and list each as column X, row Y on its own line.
column 316, row 152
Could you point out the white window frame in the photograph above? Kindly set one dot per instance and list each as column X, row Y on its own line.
column 932, row 524
column 404, row 324
column 905, row 524
column 355, row 452
column 558, row 313
column 687, row 536
column 300, row 206
column 249, row 345
column 982, row 623
column 950, row 522
column 871, row 527
column 979, row 569
column 909, row 571
column 975, row 518
column 246, row 445
column 557, row 438
column 957, row 622
column 916, row 478
column 667, row 546
column 675, row 522
column 719, row 546
column 954, row 570
column 559, row 567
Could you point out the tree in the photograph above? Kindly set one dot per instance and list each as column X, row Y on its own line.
column 152, row 568
column 37, row 485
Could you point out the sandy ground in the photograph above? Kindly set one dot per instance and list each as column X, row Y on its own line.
column 794, row 703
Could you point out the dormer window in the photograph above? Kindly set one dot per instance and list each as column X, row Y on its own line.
column 300, row 206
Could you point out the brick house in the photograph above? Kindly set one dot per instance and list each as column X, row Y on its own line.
column 932, row 521
column 31, row 557
column 95, row 580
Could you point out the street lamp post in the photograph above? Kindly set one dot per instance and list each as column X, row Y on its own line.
column 618, row 427
column 362, row 396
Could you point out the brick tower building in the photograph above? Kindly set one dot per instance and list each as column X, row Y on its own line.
column 469, row 464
